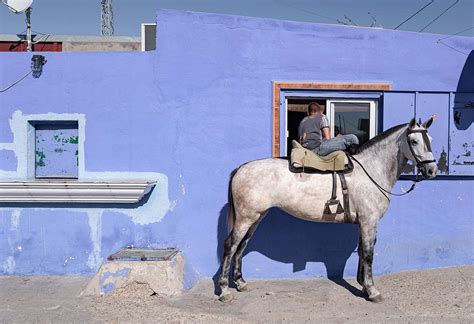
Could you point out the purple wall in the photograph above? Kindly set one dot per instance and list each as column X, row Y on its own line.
column 200, row 106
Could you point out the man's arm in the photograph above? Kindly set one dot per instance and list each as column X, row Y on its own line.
column 326, row 133
column 300, row 134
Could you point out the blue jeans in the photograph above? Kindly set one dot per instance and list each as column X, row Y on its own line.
column 338, row 143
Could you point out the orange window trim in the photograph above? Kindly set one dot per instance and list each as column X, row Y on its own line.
column 280, row 85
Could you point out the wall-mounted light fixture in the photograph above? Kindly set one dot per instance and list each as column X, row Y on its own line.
column 37, row 62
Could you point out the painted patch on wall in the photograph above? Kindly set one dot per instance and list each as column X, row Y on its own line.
column 56, row 150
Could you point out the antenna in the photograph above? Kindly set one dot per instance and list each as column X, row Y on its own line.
column 106, row 18
column 18, row 7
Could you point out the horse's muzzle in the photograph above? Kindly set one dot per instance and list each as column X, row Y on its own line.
column 429, row 170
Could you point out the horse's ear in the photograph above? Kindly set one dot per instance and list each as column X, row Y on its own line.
column 412, row 123
column 428, row 123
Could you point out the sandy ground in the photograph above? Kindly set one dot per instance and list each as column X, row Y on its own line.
column 441, row 295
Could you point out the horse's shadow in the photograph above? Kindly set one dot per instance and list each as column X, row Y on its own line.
column 286, row 239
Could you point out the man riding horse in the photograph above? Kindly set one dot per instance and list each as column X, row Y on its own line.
column 314, row 134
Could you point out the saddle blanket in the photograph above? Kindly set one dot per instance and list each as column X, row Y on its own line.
column 302, row 158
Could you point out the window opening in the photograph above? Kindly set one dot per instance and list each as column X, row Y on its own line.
column 352, row 116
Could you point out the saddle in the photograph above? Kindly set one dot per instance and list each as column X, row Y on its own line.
column 306, row 161
column 303, row 160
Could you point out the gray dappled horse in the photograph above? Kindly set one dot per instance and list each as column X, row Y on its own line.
column 257, row 186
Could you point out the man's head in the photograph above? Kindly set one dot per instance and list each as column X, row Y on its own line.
column 314, row 108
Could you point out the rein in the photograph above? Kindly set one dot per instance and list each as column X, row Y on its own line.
column 419, row 164
column 385, row 191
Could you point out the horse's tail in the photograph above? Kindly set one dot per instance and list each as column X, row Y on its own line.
column 231, row 208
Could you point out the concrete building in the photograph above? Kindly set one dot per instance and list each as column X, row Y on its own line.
column 219, row 91
column 69, row 43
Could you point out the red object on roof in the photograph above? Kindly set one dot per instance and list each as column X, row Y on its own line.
column 9, row 46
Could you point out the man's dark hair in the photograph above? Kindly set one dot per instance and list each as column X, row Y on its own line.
column 315, row 107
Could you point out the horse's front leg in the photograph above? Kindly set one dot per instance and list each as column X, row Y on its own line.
column 360, row 268
column 368, row 231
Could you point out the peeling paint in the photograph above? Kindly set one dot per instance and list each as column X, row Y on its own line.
column 443, row 163
column 95, row 224
column 40, row 156
column 465, row 157
column 15, row 220
column 9, row 265
column 173, row 205
column 67, row 260
column 183, row 188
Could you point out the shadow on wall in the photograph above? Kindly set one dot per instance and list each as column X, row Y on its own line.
column 286, row 239
column 463, row 111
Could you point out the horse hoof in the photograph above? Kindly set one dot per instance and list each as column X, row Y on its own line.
column 243, row 287
column 226, row 298
column 376, row 299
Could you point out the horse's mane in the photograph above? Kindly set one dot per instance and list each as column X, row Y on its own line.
column 380, row 137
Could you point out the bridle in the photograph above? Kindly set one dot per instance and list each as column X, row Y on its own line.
column 419, row 163
column 426, row 140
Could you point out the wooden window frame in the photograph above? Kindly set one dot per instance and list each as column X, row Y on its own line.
column 278, row 86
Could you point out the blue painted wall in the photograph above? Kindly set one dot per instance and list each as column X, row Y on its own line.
column 190, row 112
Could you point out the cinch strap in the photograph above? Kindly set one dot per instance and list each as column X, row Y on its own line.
column 345, row 195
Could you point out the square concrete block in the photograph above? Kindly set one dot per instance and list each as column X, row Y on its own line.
column 165, row 278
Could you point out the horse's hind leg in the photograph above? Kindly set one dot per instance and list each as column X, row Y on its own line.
column 237, row 275
column 230, row 247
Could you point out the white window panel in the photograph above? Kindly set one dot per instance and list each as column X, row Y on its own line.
column 358, row 117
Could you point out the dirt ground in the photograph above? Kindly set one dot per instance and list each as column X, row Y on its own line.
column 441, row 295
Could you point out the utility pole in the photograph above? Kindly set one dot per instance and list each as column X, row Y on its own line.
column 29, row 46
column 106, row 18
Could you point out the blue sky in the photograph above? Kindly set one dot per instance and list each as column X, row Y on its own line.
column 82, row 17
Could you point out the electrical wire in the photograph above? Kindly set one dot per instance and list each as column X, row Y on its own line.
column 453, row 48
column 416, row 13
column 462, row 31
column 42, row 38
column 16, row 82
column 440, row 41
column 455, row 3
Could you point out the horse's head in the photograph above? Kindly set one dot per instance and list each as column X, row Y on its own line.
column 417, row 147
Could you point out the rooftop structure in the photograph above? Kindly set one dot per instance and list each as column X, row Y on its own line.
column 69, row 43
